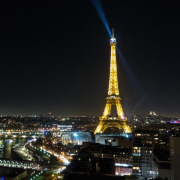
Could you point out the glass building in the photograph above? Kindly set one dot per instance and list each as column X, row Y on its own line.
column 76, row 138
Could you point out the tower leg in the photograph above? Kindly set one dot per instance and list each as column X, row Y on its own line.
column 100, row 127
column 107, row 110
column 119, row 109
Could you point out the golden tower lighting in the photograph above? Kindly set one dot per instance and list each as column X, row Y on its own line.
column 113, row 98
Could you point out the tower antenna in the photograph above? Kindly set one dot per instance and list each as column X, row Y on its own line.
column 113, row 32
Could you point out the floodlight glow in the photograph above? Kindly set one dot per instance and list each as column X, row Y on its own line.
column 133, row 81
column 97, row 4
column 75, row 134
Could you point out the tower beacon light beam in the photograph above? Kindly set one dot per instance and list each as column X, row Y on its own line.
column 106, row 120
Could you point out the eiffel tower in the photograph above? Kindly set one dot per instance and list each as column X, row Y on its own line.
column 113, row 98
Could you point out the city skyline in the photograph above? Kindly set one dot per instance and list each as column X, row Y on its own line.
column 55, row 57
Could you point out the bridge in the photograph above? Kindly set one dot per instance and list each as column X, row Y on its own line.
column 18, row 163
column 9, row 163
column 23, row 134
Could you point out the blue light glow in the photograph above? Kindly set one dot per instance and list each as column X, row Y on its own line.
column 97, row 4
column 133, row 82
column 75, row 134
column 131, row 76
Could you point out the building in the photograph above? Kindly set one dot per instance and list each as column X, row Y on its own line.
column 122, row 156
column 158, row 178
column 87, row 176
column 89, row 164
column 76, row 138
column 115, row 139
column 174, row 142
column 143, row 143
column 63, row 128
column 16, row 175
column 161, row 164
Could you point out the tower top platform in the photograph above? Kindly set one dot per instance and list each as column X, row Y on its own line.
column 113, row 39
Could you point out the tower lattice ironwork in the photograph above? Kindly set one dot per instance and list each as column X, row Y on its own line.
column 106, row 120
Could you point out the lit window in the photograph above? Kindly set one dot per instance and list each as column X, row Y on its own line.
column 136, row 154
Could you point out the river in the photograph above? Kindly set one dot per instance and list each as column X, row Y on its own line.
column 6, row 152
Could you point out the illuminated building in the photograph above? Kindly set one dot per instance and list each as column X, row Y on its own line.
column 122, row 156
column 153, row 113
column 113, row 98
column 143, row 143
column 76, row 138
column 114, row 139
column 62, row 128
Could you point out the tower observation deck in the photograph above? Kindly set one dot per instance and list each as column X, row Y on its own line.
column 113, row 98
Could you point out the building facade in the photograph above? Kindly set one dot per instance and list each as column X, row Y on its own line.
column 122, row 156
column 143, row 143
column 161, row 164
column 174, row 142
column 76, row 138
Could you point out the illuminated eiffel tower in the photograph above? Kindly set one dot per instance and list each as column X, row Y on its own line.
column 113, row 98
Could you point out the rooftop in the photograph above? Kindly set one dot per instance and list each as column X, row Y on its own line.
column 145, row 131
column 86, row 176
column 15, row 173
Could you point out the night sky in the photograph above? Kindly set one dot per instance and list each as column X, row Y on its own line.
column 55, row 56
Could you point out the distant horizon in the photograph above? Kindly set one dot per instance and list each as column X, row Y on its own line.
column 37, row 115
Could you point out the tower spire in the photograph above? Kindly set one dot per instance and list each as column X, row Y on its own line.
column 113, row 80
column 113, row 32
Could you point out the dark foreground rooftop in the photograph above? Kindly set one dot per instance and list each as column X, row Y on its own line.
column 86, row 176
column 15, row 173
